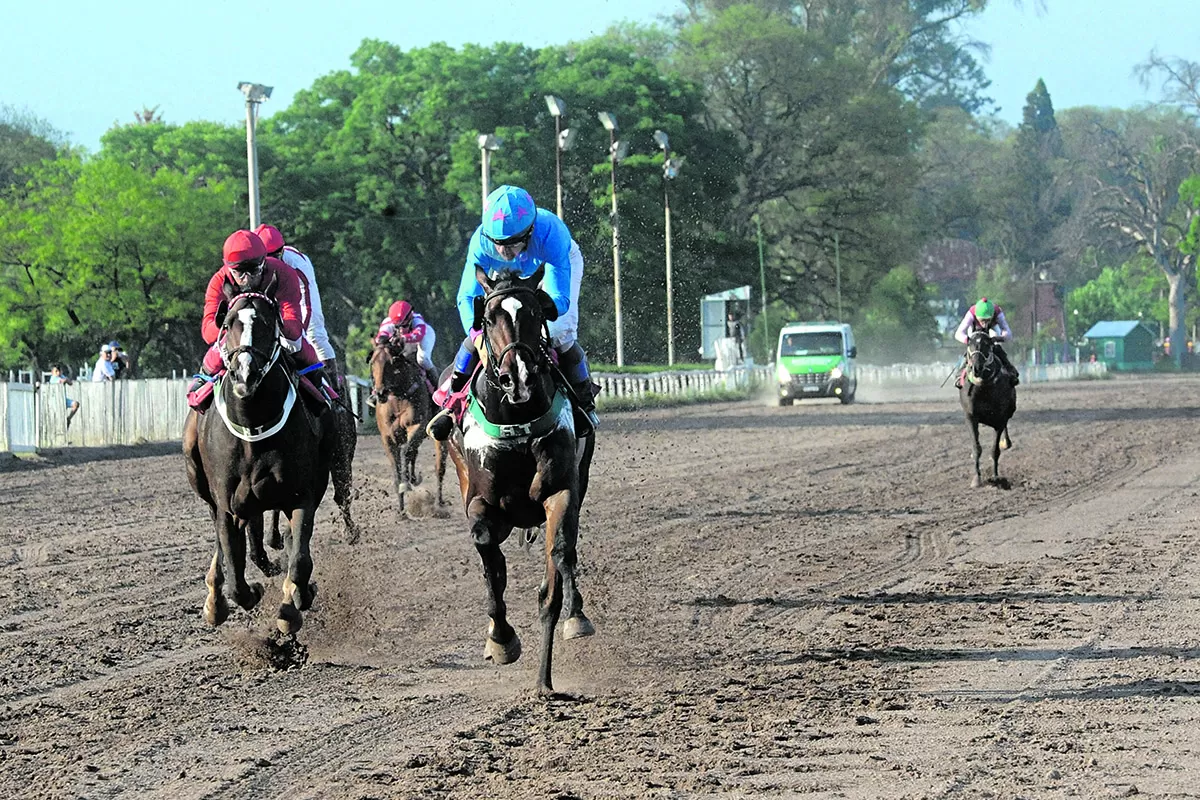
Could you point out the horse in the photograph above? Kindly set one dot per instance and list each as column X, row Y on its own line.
column 403, row 407
column 259, row 448
column 520, row 464
column 988, row 397
column 341, row 473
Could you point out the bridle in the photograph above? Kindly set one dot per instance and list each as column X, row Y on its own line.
column 396, row 358
column 974, row 351
column 539, row 356
column 229, row 357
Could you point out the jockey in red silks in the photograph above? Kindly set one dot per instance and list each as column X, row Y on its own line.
column 403, row 324
column 310, row 295
column 247, row 268
column 987, row 316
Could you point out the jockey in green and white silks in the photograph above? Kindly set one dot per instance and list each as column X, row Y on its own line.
column 987, row 316
column 514, row 234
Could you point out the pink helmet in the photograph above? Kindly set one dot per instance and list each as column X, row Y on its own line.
column 243, row 246
column 400, row 312
column 271, row 237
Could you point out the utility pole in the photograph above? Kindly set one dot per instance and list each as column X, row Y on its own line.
column 762, row 278
column 255, row 93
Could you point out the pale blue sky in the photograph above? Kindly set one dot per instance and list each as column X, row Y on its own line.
column 1085, row 50
column 84, row 65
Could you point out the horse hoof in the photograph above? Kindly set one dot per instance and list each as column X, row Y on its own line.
column 975, row 482
column 289, row 620
column 499, row 653
column 578, row 627
column 251, row 598
column 216, row 610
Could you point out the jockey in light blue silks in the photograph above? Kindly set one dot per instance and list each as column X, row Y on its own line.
column 517, row 235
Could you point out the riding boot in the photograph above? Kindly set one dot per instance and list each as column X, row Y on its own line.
column 432, row 376
column 1012, row 371
column 199, row 379
column 574, row 366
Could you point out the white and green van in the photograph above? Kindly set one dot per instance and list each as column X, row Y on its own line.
column 816, row 359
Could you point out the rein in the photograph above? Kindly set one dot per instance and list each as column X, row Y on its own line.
column 227, row 357
column 539, row 356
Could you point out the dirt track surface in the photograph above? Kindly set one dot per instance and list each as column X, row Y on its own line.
column 790, row 602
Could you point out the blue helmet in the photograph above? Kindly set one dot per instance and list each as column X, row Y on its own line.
column 508, row 215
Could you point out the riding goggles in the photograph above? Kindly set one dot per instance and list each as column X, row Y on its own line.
column 248, row 269
column 521, row 238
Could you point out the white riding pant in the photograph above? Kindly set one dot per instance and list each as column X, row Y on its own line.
column 565, row 329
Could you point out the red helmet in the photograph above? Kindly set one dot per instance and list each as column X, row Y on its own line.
column 243, row 246
column 271, row 237
column 400, row 312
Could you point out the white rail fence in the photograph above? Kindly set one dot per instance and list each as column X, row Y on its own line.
column 139, row 411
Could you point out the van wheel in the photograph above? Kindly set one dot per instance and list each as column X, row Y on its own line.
column 847, row 399
column 786, row 401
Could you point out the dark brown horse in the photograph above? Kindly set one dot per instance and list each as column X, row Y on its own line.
column 257, row 449
column 403, row 407
column 987, row 397
column 520, row 464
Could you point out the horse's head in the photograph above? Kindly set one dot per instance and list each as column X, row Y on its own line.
column 982, row 362
column 394, row 367
column 250, row 337
column 514, row 340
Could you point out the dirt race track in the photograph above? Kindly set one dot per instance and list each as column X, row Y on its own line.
column 790, row 602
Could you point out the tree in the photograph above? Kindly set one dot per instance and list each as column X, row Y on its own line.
column 1137, row 164
column 25, row 141
column 897, row 324
column 100, row 250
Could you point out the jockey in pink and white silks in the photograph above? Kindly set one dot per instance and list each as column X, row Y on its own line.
column 403, row 324
column 514, row 234
column 314, row 314
column 987, row 316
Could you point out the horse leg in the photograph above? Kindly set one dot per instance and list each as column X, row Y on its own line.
column 254, row 536
column 276, row 538
column 978, row 452
column 439, row 466
column 1006, row 442
column 231, row 534
column 996, row 454
column 560, row 586
column 342, row 473
column 503, row 646
column 396, row 448
column 216, row 610
column 298, row 592
column 415, row 435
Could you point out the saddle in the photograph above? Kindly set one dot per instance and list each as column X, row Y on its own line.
column 314, row 397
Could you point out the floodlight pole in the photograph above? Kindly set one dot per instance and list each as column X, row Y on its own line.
column 762, row 279
column 488, row 142
column 255, row 94
column 557, row 108
column 664, row 143
column 610, row 122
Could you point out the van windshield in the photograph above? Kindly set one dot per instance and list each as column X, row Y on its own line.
column 826, row 343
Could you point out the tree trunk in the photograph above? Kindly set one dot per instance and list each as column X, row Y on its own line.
column 1178, row 306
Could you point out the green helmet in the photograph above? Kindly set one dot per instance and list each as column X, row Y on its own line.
column 984, row 310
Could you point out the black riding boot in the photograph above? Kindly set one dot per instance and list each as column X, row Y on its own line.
column 432, row 376
column 1012, row 371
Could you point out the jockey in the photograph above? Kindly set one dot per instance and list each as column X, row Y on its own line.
column 314, row 314
column 247, row 268
column 515, row 234
column 403, row 325
column 986, row 315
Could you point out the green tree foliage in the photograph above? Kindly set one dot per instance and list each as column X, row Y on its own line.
column 897, row 325
column 100, row 250
column 1135, row 290
column 25, row 141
